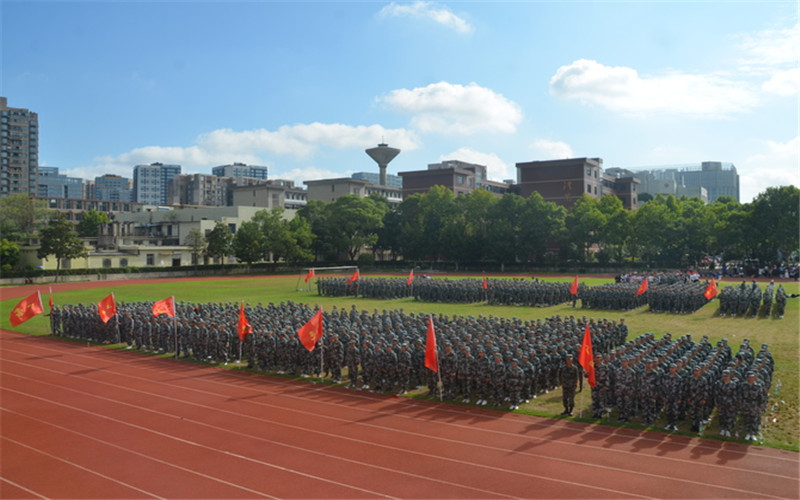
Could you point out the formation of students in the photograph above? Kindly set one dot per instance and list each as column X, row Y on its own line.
column 482, row 360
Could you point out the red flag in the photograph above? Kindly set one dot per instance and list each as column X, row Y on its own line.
column 642, row 287
column 107, row 308
column 244, row 326
column 574, row 288
column 410, row 277
column 311, row 332
column 354, row 277
column 26, row 308
column 484, row 283
column 310, row 274
column 50, row 302
column 431, row 358
column 165, row 306
column 711, row 290
column 586, row 356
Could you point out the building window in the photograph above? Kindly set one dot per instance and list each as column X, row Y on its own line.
column 589, row 171
column 106, row 262
column 123, row 262
column 151, row 259
column 589, row 189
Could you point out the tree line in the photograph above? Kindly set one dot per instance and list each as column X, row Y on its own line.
column 665, row 231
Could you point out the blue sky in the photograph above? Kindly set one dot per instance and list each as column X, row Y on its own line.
column 305, row 87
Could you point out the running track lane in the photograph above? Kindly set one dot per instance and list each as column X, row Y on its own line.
column 88, row 422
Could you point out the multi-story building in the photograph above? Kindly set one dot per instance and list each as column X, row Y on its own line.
column 328, row 190
column 51, row 184
column 270, row 194
column 151, row 183
column 19, row 150
column 241, row 170
column 564, row 181
column 199, row 189
column 458, row 176
column 111, row 188
column 707, row 180
column 373, row 178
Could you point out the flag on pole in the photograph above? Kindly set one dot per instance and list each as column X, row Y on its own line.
column 711, row 290
column 310, row 333
column 50, row 302
column 26, row 308
column 310, row 274
column 431, row 357
column 244, row 326
column 484, row 282
column 107, row 308
column 165, row 306
column 573, row 289
column 642, row 287
column 410, row 277
column 354, row 277
column 586, row 356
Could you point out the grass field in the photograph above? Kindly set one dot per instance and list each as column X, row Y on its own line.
column 782, row 427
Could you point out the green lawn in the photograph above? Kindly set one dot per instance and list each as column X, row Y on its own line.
column 781, row 335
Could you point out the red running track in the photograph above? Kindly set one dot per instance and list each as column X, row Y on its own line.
column 83, row 421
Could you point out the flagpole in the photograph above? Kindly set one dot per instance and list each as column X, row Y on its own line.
column 580, row 413
column 322, row 346
column 175, row 326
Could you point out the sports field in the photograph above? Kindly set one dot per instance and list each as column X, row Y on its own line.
column 781, row 426
column 91, row 421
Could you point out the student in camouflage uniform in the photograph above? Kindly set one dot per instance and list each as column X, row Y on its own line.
column 753, row 399
column 570, row 375
column 728, row 402
column 672, row 395
column 514, row 380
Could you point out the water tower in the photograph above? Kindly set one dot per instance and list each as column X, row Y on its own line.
column 382, row 155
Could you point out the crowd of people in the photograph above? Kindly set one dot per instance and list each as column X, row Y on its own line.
column 482, row 360
column 684, row 380
column 749, row 301
column 670, row 293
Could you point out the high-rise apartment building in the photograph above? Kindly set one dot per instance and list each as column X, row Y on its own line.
column 241, row 170
column 51, row 184
column 151, row 182
column 111, row 187
column 19, row 150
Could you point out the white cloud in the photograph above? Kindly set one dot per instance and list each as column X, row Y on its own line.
column 298, row 175
column 224, row 146
column 552, row 150
column 496, row 168
column 456, row 109
column 622, row 89
column 428, row 11
column 770, row 48
column 777, row 165
column 783, row 83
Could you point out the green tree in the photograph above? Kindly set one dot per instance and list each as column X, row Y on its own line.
column 219, row 242
column 316, row 214
column 197, row 243
column 438, row 207
column 88, row 227
column 728, row 238
column 615, row 231
column 21, row 216
column 543, row 224
column 505, row 230
column 583, row 223
column 354, row 224
column 60, row 240
column 774, row 223
column 248, row 243
column 9, row 254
